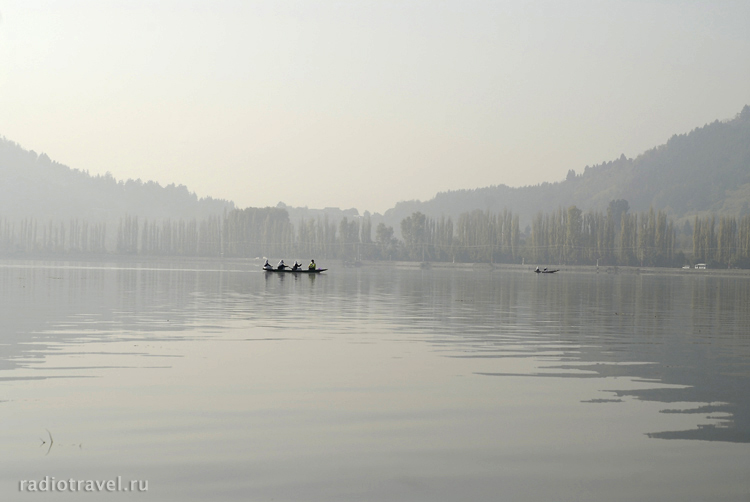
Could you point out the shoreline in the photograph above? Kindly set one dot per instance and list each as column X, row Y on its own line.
column 334, row 264
column 591, row 269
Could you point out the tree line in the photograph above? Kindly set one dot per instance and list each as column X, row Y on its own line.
column 614, row 237
column 722, row 243
column 565, row 236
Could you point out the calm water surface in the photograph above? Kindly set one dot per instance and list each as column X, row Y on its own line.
column 219, row 382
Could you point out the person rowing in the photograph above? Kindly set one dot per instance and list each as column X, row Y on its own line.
column 281, row 265
column 267, row 266
column 296, row 266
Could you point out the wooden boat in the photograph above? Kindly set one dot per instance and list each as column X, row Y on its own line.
column 288, row 270
column 545, row 271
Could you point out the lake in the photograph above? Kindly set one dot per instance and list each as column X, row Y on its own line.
column 220, row 382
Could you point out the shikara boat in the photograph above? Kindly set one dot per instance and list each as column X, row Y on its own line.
column 545, row 271
column 298, row 271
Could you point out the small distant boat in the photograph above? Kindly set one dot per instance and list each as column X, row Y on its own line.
column 545, row 271
column 298, row 271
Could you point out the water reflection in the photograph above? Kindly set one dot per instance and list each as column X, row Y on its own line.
column 689, row 333
column 686, row 331
column 219, row 382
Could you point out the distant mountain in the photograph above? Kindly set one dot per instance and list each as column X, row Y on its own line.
column 698, row 173
column 704, row 171
column 33, row 185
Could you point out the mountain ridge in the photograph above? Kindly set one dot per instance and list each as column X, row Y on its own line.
column 34, row 186
column 705, row 170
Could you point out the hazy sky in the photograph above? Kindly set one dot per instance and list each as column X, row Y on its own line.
column 362, row 103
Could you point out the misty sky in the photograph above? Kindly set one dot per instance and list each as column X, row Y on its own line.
column 362, row 104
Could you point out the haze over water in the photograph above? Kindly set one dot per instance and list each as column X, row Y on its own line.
column 220, row 382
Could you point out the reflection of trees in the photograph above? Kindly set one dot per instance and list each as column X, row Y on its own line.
column 690, row 331
column 44, row 308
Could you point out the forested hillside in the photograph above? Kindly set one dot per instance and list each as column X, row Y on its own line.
column 699, row 173
column 34, row 186
column 684, row 202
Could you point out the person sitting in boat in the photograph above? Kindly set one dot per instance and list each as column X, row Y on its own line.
column 312, row 265
column 267, row 266
column 296, row 266
column 281, row 265
column 537, row 270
